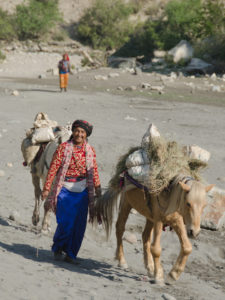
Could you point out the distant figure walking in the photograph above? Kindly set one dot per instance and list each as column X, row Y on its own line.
column 64, row 70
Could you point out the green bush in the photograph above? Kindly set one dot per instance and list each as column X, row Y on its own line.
column 36, row 18
column 211, row 49
column 105, row 25
column 143, row 41
column 191, row 20
column 6, row 26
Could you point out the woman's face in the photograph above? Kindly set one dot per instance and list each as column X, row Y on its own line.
column 79, row 135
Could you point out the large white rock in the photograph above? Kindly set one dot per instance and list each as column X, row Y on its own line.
column 183, row 50
column 198, row 65
column 213, row 216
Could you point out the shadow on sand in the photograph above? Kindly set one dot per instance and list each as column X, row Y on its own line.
column 80, row 265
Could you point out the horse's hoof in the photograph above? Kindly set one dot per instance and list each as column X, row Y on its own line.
column 150, row 273
column 170, row 280
column 123, row 266
column 159, row 282
column 44, row 231
column 35, row 220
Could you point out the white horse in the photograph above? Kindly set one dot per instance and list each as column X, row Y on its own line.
column 39, row 170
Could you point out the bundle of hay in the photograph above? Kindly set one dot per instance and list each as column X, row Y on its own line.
column 157, row 162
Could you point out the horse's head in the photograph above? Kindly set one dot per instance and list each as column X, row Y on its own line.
column 193, row 205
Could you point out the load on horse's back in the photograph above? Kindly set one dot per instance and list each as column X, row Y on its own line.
column 162, row 183
column 38, row 148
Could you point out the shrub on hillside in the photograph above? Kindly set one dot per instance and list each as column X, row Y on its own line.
column 105, row 25
column 36, row 18
column 6, row 26
column 211, row 49
column 143, row 41
column 204, row 18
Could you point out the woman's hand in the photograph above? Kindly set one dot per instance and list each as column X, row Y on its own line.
column 44, row 195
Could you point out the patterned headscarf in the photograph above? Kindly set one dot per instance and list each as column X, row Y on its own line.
column 83, row 124
column 66, row 57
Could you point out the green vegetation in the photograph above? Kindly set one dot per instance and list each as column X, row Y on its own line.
column 32, row 19
column 6, row 26
column 204, row 20
column 36, row 18
column 105, row 25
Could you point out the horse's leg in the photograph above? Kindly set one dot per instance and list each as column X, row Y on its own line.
column 37, row 194
column 120, row 228
column 46, row 225
column 146, row 238
column 156, row 251
column 186, row 249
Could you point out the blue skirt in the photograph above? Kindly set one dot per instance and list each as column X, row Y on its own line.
column 71, row 217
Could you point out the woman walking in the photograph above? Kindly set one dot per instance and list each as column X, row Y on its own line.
column 75, row 171
column 64, row 70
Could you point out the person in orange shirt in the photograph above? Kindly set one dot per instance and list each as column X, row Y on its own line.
column 76, row 183
column 64, row 70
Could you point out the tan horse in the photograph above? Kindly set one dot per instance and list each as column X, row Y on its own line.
column 180, row 206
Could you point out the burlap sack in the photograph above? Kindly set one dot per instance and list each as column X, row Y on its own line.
column 42, row 120
column 140, row 173
column 137, row 158
column 42, row 135
column 151, row 133
column 29, row 151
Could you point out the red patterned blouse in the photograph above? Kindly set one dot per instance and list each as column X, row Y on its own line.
column 77, row 166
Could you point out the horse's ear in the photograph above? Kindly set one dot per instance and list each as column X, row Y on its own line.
column 184, row 186
column 209, row 187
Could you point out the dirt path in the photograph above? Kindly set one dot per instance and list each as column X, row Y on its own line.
column 120, row 119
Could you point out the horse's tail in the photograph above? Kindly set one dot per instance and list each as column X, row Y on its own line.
column 105, row 207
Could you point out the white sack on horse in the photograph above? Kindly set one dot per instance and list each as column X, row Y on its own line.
column 140, row 173
column 29, row 150
column 137, row 158
column 138, row 161
column 42, row 120
column 151, row 133
column 196, row 152
column 42, row 135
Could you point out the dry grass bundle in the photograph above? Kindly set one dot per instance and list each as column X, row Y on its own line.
column 167, row 160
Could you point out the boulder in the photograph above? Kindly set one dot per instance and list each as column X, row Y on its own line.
column 213, row 216
column 199, row 66
column 159, row 53
column 183, row 50
column 15, row 93
column 121, row 62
